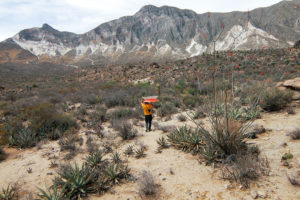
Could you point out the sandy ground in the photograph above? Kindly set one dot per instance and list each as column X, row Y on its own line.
column 189, row 180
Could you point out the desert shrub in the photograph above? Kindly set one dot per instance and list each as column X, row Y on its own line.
column 290, row 110
column 68, row 143
column 22, row 137
column 2, row 154
column 245, row 168
column 92, row 99
column 120, row 98
column 181, row 118
column 295, row 134
column 166, row 128
column 166, row 108
column 198, row 114
column 146, row 184
column 44, row 122
column 274, row 99
column 191, row 101
column 122, row 113
column 125, row 129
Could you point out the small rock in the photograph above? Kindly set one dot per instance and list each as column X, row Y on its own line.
column 254, row 194
column 284, row 144
column 190, row 193
column 49, row 173
column 164, row 179
column 261, row 194
column 228, row 186
column 285, row 163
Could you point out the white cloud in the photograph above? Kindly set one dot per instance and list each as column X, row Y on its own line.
column 80, row 16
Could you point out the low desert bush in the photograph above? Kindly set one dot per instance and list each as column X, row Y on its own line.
column 125, row 129
column 273, row 99
column 181, row 118
column 245, row 168
column 191, row 101
column 167, row 108
column 146, row 184
column 122, row 113
column 295, row 134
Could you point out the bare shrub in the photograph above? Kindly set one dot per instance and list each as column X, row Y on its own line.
column 245, row 168
column 295, row 134
column 181, row 118
column 146, row 184
column 125, row 129
column 290, row 110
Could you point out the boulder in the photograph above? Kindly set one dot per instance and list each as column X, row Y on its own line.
column 293, row 83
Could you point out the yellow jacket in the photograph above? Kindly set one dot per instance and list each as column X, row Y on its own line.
column 147, row 108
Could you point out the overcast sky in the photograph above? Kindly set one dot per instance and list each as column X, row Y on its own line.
column 80, row 16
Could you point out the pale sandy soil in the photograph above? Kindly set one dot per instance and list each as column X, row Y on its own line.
column 191, row 180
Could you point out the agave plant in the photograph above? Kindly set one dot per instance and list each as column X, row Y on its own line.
column 77, row 181
column 52, row 193
column 187, row 139
column 162, row 142
column 8, row 193
column 94, row 159
column 129, row 150
column 112, row 173
column 116, row 158
column 140, row 152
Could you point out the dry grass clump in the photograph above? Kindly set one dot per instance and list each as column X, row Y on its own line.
column 295, row 134
column 146, row 184
column 245, row 168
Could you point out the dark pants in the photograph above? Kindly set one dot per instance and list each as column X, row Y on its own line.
column 148, row 119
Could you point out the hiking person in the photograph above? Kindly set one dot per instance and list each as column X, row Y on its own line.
column 148, row 113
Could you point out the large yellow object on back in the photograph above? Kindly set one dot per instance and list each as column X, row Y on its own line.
column 147, row 108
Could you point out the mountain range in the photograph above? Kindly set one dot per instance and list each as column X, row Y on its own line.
column 158, row 33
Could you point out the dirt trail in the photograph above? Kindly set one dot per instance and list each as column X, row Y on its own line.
column 190, row 180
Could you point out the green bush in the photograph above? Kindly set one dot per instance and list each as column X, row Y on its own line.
column 77, row 181
column 274, row 99
column 166, row 108
column 122, row 113
column 191, row 101
column 23, row 138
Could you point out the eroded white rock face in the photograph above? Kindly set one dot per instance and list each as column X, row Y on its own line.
column 239, row 37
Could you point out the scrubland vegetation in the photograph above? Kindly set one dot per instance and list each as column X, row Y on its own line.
column 230, row 91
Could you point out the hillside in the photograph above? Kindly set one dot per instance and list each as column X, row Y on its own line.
column 159, row 33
